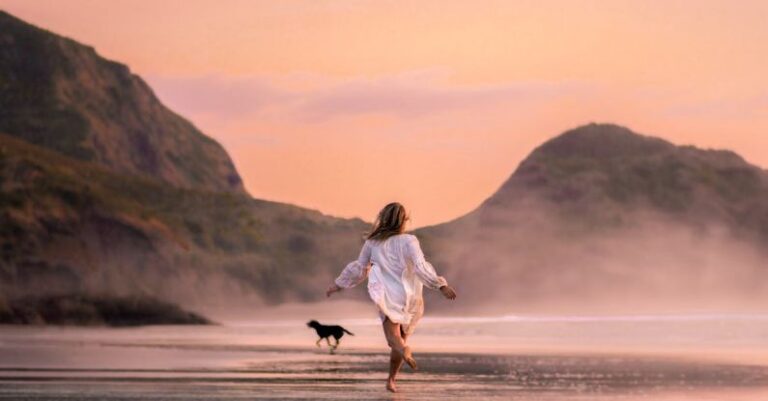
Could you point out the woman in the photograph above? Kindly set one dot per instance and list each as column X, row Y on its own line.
column 394, row 264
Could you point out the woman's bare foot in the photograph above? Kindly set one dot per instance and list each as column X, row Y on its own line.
column 391, row 385
column 408, row 358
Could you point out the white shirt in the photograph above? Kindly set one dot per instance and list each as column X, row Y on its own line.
column 396, row 271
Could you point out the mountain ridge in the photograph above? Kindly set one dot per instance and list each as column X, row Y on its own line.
column 69, row 226
column 627, row 168
column 584, row 225
column 107, row 193
column 60, row 94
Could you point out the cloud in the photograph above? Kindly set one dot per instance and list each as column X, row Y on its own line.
column 412, row 99
column 414, row 94
column 722, row 108
column 216, row 95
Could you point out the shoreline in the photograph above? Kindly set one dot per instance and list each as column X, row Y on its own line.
column 361, row 375
column 526, row 361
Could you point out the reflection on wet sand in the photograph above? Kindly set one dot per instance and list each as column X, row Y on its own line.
column 278, row 360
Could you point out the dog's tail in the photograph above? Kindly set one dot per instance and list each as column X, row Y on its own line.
column 348, row 332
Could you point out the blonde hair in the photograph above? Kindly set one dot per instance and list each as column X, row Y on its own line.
column 390, row 221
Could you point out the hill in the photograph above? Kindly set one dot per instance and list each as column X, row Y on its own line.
column 107, row 193
column 605, row 217
column 60, row 94
column 70, row 226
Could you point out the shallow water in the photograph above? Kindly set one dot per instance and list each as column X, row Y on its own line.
column 650, row 357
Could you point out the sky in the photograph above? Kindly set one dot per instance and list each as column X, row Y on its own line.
column 344, row 106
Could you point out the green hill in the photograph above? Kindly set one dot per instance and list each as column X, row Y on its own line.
column 107, row 193
column 60, row 94
column 74, row 226
column 605, row 217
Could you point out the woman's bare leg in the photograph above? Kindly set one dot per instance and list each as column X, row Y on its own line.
column 396, row 343
column 395, row 359
column 400, row 352
column 395, row 362
column 395, row 339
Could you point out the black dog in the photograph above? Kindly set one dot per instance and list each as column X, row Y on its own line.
column 325, row 332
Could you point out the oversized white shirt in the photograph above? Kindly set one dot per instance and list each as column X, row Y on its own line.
column 396, row 271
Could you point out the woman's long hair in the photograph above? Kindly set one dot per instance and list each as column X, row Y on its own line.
column 390, row 221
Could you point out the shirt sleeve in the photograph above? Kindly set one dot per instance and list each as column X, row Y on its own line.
column 423, row 269
column 356, row 271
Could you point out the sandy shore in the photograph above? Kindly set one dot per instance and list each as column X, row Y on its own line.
column 309, row 374
column 546, row 359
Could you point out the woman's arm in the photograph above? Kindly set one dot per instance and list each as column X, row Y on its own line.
column 423, row 269
column 354, row 273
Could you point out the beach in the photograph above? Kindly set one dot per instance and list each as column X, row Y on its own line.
column 645, row 357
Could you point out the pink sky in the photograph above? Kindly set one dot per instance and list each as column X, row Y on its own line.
column 344, row 106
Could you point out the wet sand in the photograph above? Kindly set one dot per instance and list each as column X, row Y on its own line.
column 359, row 375
column 278, row 360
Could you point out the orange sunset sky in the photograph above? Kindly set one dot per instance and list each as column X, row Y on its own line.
column 342, row 106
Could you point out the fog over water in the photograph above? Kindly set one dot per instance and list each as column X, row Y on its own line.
column 532, row 258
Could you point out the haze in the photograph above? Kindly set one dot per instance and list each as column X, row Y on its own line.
column 343, row 106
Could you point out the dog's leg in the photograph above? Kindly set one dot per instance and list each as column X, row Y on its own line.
column 330, row 346
column 318, row 342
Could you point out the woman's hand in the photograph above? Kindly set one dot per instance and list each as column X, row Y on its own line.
column 331, row 289
column 448, row 292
